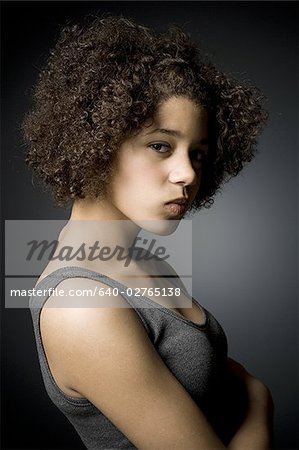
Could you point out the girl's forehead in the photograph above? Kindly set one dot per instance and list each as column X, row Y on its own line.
column 179, row 115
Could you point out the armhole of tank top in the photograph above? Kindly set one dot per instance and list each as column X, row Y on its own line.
column 73, row 400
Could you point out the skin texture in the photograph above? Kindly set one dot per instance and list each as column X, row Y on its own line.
column 126, row 378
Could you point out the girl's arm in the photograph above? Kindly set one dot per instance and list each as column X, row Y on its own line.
column 106, row 356
column 256, row 431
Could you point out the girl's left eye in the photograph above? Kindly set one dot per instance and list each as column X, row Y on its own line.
column 160, row 147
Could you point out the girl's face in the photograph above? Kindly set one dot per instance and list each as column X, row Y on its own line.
column 162, row 163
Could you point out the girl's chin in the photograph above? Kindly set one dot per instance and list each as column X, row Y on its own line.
column 162, row 227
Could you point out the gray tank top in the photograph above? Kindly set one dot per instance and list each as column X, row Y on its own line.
column 196, row 354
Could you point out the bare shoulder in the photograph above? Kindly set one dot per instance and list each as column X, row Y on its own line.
column 77, row 300
column 105, row 355
column 80, row 306
column 81, row 303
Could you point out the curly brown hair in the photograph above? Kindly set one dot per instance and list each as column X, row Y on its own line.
column 104, row 79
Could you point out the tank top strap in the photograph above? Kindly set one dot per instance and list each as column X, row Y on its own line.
column 51, row 281
column 141, row 305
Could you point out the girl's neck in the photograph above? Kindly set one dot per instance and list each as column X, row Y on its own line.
column 97, row 224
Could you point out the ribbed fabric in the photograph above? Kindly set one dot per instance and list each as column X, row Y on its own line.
column 195, row 354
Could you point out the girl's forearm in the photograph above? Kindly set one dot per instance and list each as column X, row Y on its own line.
column 252, row 435
column 256, row 432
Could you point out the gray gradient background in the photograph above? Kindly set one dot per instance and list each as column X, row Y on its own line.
column 245, row 246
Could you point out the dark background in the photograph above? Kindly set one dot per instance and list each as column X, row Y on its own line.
column 245, row 253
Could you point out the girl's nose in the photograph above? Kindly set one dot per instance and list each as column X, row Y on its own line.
column 182, row 171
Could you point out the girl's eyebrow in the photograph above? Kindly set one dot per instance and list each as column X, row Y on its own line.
column 165, row 131
column 175, row 133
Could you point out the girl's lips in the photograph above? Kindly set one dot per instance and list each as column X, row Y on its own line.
column 176, row 209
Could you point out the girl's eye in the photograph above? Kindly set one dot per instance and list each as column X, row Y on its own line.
column 160, row 147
